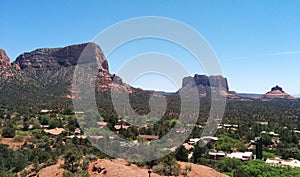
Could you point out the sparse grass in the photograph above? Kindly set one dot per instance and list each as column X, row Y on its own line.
column 24, row 133
column 19, row 138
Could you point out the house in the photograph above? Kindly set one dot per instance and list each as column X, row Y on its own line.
column 102, row 124
column 46, row 111
column 77, row 131
column 216, row 155
column 269, row 133
column 119, row 127
column 55, row 131
column 278, row 161
column 30, row 127
column 209, row 138
column 44, row 126
column 193, row 141
column 263, row 123
column 296, row 131
column 230, row 125
column 181, row 131
column 188, row 146
column 244, row 156
column 77, row 136
column 273, row 134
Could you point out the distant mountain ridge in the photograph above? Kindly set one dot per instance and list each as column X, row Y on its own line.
column 47, row 74
column 250, row 95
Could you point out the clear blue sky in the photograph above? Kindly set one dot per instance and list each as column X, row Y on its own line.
column 257, row 41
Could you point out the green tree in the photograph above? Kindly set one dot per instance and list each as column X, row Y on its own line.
column 181, row 154
column 54, row 123
column 84, row 174
column 44, row 120
column 167, row 166
column 199, row 151
column 9, row 130
column 25, row 126
column 266, row 155
column 266, row 140
column 229, row 165
column 72, row 160
column 258, row 168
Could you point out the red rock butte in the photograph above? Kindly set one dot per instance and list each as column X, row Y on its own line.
column 277, row 92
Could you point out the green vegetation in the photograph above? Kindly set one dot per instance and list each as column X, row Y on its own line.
column 26, row 124
column 258, row 168
column 167, row 166
column 8, row 130
column 228, row 144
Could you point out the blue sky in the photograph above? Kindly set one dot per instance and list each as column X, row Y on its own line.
column 257, row 41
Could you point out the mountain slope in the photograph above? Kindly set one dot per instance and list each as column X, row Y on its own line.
column 15, row 85
column 44, row 76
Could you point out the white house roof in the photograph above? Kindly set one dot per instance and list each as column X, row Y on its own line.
column 241, row 155
column 210, row 138
column 278, row 161
column 55, row 131
column 217, row 153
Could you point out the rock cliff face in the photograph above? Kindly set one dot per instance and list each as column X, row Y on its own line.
column 54, row 67
column 208, row 84
column 4, row 60
column 5, row 67
column 55, row 58
column 277, row 92
column 203, row 80
column 47, row 73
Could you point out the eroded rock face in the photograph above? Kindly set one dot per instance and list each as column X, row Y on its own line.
column 208, row 84
column 6, row 71
column 210, row 81
column 4, row 60
column 54, row 58
column 48, row 73
column 54, row 67
column 277, row 92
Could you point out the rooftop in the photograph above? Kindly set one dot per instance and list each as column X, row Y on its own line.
column 55, row 131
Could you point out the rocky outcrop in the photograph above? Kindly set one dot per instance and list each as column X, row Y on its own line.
column 54, row 67
column 206, row 81
column 46, row 74
column 277, row 92
column 4, row 59
column 207, row 85
column 55, row 58
column 6, row 71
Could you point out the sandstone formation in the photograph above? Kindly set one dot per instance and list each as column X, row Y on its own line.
column 207, row 85
column 47, row 73
column 57, row 65
column 4, row 60
column 277, row 92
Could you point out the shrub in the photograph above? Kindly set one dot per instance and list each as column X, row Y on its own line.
column 18, row 138
column 54, row 123
column 8, row 132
